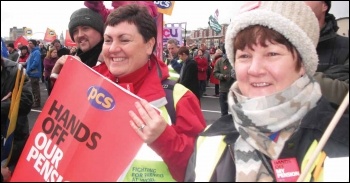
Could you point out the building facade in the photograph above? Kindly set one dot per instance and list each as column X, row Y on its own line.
column 17, row 32
column 206, row 36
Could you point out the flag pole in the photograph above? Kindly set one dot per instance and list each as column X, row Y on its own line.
column 325, row 137
column 185, row 35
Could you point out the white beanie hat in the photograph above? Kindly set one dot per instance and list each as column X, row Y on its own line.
column 293, row 19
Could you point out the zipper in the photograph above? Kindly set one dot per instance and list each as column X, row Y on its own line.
column 231, row 153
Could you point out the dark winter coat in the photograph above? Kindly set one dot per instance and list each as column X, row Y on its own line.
column 189, row 76
column 8, row 78
column 333, row 51
column 312, row 126
column 222, row 71
column 90, row 57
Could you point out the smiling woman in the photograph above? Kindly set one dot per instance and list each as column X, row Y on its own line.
column 278, row 111
column 129, row 60
column 254, row 56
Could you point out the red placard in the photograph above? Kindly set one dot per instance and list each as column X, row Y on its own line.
column 286, row 170
column 83, row 132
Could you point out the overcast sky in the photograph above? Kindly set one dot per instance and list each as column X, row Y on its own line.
column 55, row 14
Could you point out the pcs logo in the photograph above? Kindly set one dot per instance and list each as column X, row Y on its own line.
column 163, row 4
column 100, row 98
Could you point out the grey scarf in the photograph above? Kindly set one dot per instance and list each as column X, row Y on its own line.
column 257, row 118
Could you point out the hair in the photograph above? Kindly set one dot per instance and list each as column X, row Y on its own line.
column 55, row 41
column 11, row 45
column 33, row 41
column 151, row 7
column 63, row 51
column 173, row 41
column 24, row 47
column 257, row 34
column 219, row 52
column 328, row 3
column 183, row 50
column 139, row 16
column 48, row 55
column 200, row 51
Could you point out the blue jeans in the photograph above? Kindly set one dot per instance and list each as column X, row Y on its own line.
column 223, row 103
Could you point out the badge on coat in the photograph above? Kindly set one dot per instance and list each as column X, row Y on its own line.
column 286, row 170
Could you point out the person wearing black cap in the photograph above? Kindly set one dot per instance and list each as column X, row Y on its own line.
column 13, row 53
column 86, row 29
column 333, row 52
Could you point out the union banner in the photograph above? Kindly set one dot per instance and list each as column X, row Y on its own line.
column 165, row 7
column 50, row 35
column 83, row 132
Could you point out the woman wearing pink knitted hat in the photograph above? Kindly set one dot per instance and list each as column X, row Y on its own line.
column 278, row 112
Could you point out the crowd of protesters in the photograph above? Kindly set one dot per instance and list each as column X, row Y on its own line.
column 269, row 111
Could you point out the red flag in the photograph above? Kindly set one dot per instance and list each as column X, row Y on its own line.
column 21, row 40
column 68, row 40
column 50, row 35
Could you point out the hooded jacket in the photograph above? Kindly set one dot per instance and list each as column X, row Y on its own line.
column 333, row 51
column 177, row 140
column 333, row 68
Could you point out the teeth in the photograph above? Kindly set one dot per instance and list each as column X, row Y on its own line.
column 260, row 84
column 118, row 59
